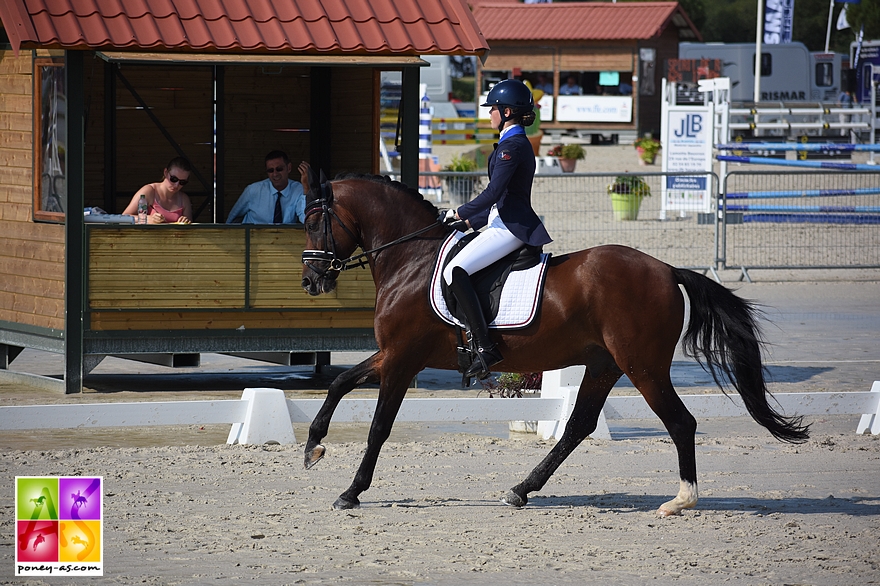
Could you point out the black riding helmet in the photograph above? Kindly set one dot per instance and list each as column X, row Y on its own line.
column 513, row 94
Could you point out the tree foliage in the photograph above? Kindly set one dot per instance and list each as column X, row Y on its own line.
column 733, row 21
column 865, row 13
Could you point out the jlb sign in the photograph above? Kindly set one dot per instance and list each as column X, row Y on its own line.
column 687, row 146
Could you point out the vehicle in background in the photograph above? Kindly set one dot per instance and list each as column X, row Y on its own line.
column 789, row 72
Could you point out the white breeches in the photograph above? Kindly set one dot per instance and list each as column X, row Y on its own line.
column 493, row 243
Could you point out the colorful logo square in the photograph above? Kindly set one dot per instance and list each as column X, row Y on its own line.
column 37, row 541
column 79, row 498
column 59, row 526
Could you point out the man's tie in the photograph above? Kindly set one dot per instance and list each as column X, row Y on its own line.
column 279, row 215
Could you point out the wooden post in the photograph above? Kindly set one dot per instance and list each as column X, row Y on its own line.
column 409, row 148
column 74, row 225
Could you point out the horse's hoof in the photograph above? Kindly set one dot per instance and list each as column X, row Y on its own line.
column 314, row 455
column 514, row 500
column 662, row 512
column 343, row 504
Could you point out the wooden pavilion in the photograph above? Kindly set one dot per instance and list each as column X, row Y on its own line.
column 95, row 99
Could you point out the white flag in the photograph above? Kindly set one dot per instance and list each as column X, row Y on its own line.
column 841, row 20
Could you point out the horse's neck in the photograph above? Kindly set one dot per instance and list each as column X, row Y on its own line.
column 410, row 259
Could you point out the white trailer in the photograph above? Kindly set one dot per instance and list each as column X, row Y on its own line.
column 789, row 72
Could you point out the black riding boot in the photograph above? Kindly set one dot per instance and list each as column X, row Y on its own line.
column 487, row 352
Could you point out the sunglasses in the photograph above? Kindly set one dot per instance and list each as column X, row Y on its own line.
column 275, row 170
column 174, row 179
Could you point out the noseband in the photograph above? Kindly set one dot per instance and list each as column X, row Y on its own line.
column 328, row 253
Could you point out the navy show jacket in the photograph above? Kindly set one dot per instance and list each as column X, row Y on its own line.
column 511, row 170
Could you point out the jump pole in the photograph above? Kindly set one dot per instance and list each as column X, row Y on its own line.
column 803, row 193
column 809, row 164
column 813, row 147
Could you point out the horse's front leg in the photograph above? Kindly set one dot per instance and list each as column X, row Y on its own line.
column 583, row 421
column 395, row 382
column 365, row 372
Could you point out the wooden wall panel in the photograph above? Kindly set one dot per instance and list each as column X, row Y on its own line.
column 354, row 143
column 168, row 267
column 94, row 136
column 276, row 272
column 596, row 58
column 180, row 268
column 524, row 58
column 31, row 254
column 220, row 320
column 15, row 121
column 181, row 97
column 266, row 108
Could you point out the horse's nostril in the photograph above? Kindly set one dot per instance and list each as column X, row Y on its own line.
column 306, row 283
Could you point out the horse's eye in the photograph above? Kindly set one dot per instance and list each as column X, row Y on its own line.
column 312, row 227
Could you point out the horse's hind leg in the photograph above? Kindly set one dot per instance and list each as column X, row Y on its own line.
column 682, row 428
column 583, row 421
column 365, row 372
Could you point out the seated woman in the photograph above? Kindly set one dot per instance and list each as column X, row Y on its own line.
column 166, row 201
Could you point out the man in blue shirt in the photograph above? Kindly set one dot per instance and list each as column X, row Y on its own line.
column 571, row 88
column 276, row 199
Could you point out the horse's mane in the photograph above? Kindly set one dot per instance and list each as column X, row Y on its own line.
column 397, row 185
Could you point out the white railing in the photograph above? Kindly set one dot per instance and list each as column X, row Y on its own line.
column 265, row 415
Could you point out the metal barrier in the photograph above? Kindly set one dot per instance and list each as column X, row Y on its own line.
column 576, row 209
column 793, row 220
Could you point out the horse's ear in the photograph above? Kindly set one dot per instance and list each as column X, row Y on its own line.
column 323, row 177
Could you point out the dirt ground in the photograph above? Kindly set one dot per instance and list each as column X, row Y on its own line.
column 181, row 507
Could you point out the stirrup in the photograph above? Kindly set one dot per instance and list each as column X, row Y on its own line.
column 484, row 360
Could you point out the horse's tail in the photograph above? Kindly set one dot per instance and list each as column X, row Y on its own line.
column 724, row 330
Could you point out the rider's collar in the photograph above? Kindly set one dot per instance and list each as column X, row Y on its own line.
column 512, row 130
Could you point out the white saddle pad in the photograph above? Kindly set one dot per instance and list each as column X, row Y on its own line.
column 519, row 299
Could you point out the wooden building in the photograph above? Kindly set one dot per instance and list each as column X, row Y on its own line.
column 96, row 98
column 614, row 52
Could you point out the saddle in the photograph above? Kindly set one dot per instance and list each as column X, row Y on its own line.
column 509, row 290
column 489, row 282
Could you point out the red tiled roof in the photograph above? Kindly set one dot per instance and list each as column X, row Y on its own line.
column 579, row 21
column 321, row 27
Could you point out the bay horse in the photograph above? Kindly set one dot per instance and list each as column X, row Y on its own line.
column 612, row 308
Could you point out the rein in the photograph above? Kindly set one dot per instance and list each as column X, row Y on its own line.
column 328, row 254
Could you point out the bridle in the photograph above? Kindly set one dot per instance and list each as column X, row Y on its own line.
column 328, row 243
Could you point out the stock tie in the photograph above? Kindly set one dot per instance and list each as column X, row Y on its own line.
column 279, row 216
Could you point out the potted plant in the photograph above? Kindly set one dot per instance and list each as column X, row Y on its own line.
column 534, row 132
column 461, row 188
column 647, row 148
column 627, row 193
column 569, row 155
column 513, row 384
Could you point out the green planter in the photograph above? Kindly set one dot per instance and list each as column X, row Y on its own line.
column 627, row 193
column 625, row 207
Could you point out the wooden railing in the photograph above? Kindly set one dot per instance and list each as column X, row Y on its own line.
column 214, row 277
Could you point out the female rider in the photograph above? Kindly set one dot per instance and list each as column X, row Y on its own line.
column 504, row 207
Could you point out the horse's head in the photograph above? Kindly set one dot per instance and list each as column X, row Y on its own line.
column 328, row 239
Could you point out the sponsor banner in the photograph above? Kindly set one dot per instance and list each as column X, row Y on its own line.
column 594, row 109
column 778, row 17
column 687, row 146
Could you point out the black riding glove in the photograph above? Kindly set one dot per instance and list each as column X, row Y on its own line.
column 448, row 217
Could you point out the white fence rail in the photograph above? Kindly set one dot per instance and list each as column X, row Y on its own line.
column 265, row 415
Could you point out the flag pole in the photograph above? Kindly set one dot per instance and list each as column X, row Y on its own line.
column 758, row 38
column 828, row 34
